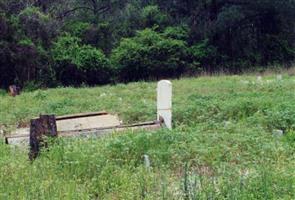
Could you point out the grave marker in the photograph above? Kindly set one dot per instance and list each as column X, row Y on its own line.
column 95, row 124
column 14, row 90
column 44, row 126
column 164, row 102
column 280, row 77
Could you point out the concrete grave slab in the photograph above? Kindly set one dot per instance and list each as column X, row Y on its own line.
column 92, row 124
column 87, row 122
column 68, row 123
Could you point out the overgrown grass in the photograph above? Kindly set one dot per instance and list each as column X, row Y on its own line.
column 222, row 146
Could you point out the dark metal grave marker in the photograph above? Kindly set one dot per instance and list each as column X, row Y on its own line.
column 43, row 127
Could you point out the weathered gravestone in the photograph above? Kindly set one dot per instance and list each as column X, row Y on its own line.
column 90, row 124
column 164, row 103
column 45, row 126
column 280, row 77
column 259, row 79
column 277, row 133
column 14, row 90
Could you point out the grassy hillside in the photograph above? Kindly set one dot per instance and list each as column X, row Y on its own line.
column 223, row 145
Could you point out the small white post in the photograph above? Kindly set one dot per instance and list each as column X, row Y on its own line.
column 164, row 102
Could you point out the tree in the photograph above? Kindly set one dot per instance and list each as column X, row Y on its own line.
column 182, row 35
column 77, row 63
column 150, row 55
column 94, row 9
column 256, row 26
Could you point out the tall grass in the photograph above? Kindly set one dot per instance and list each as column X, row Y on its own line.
column 222, row 146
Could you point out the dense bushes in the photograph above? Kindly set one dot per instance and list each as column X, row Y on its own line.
column 24, row 58
column 36, row 25
column 150, row 55
column 77, row 63
column 120, row 40
column 22, row 63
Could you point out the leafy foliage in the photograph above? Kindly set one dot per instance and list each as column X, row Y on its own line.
column 220, row 35
column 149, row 54
column 77, row 63
column 177, row 33
column 222, row 145
column 153, row 16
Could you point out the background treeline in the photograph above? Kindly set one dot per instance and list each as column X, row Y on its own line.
column 55, row 42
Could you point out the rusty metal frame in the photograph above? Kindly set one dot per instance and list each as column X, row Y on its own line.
column 151, row 125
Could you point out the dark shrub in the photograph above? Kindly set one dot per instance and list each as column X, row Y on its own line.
column 77, row 63
column 150, row 55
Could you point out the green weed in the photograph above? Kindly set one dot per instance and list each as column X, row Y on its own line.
column 222, row 145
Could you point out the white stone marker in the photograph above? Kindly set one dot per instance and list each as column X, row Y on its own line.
column 147, row 161
column 164, row 102
column 259, row 79
column 279, row 77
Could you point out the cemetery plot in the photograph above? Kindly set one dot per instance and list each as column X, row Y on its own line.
column 69, row 123
column 86, row 121
column 90, row 124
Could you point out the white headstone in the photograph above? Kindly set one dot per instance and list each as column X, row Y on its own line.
column 147, row 161
column 259, row 79
column 164, row 102
column 278, row 133
column 279, row 77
